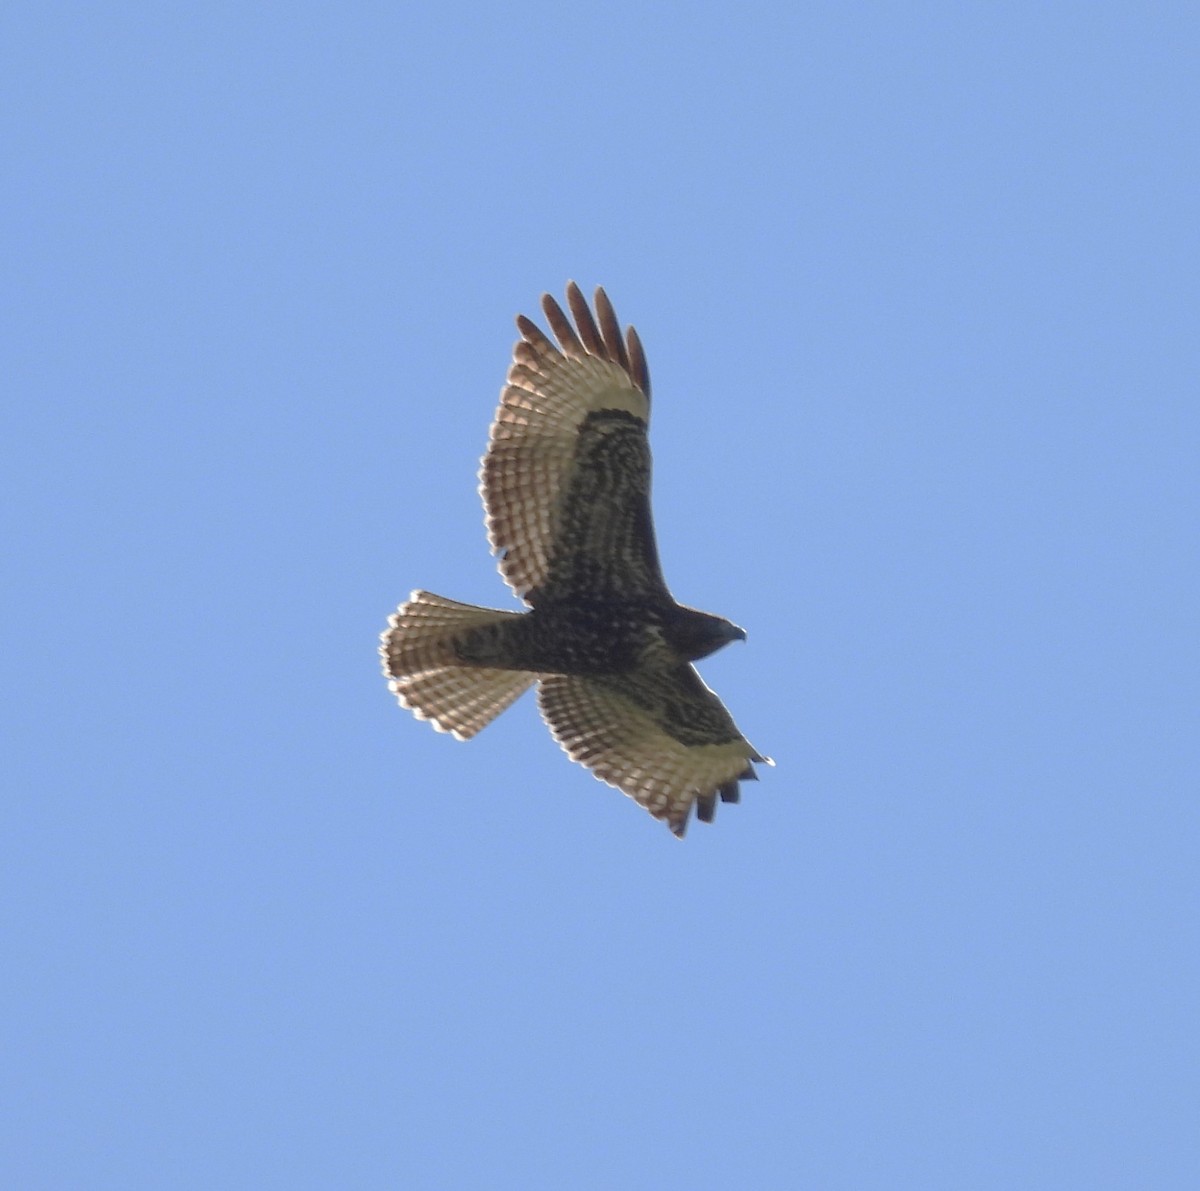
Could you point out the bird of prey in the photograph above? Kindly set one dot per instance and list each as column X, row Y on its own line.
column 566, row 487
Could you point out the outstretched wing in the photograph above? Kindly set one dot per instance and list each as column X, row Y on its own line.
column 662, row 738
column 566, row 478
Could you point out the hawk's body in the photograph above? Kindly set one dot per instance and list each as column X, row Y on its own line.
column 566, row 485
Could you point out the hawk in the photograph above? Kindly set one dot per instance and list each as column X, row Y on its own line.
column 566, row 487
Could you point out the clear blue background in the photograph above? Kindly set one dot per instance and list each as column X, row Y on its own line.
column 918, row 285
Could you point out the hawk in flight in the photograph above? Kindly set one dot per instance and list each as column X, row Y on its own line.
column 566, row 486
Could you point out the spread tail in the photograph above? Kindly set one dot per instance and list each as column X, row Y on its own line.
column 427, row 673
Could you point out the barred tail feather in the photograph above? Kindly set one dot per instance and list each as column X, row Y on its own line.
column 461, row 699
column 427, row 675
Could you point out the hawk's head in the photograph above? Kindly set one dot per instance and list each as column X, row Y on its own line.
column 695, row 634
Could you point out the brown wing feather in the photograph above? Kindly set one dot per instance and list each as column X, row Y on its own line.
column 544, row 443
column 664, row 739
column 610, row 329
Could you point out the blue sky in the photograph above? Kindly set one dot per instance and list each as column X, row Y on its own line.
column 918, row 286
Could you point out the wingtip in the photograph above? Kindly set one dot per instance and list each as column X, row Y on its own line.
column 638, row 368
